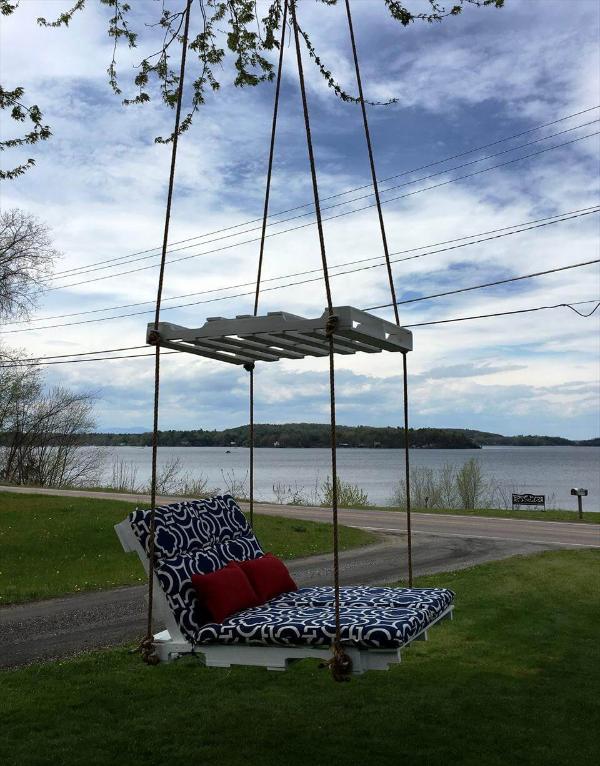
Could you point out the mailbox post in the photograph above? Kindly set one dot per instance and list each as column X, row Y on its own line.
column 579, row 493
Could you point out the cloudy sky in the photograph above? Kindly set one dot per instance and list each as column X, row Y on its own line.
column 475, row 80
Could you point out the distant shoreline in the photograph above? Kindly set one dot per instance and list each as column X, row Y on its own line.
column 317, row 435
column 339, row 447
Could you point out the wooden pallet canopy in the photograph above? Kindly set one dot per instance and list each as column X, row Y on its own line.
column 279, row 335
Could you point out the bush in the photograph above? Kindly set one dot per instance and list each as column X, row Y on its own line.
column 170, row 480
column 470, row 485
column 288, row 494
column 348, row 495
column 448, row 487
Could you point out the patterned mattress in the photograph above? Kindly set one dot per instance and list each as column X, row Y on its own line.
column 201, row 536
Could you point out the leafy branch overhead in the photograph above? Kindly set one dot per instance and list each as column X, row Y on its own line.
column 11, row 100
column 223, row 32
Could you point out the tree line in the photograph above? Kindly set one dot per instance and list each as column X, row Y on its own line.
column 292, row 435
column 317, row 435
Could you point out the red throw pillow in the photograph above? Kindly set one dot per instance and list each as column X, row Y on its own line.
column 225, row 591
column 269, row 576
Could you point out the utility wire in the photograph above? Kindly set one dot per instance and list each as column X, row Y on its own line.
column 306, row 281
column 585, row 316
column 348, row 191
column 80, row 270
column 487, row 284
column 77, row 361
column 327, row 218
column 591, row 209
column 17, row 363
column 517, row 311
column 82, row 353
column 370, row 308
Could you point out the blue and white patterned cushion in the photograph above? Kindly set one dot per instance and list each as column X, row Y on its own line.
column 374, row 627
column 433, row 600
column 175, row 577
column 191, row 525
column 194, row 537
column 201, row 536
column 243, row 548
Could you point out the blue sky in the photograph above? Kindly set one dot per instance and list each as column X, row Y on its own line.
column 100, row 184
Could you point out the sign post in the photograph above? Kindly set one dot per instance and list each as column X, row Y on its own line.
column 579, row 494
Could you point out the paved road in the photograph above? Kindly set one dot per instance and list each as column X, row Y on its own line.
column 62, row 627
column 565, row 534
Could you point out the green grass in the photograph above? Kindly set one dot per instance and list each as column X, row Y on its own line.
column 514, row 679
column 497, row 513
column 50, row 545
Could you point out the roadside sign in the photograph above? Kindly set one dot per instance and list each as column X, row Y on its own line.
column 528, row 499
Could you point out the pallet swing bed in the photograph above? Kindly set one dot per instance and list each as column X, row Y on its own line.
column 352, row 629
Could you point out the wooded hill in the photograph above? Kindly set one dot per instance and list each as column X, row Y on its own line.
column 317, row 435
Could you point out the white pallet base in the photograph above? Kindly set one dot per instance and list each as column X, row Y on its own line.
column 170, row 644
column 280, row 657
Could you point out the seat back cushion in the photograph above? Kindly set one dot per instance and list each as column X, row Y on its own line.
column 175, row 577
column 194, row 537
column 191, row 525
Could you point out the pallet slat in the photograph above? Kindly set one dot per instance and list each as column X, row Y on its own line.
column 279, row 335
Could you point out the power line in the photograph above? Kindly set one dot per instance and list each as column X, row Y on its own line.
column 585, row 316
column 487, row 284
column 82, row 353
column 79, row 270
column 307, row 281
column 349, row 191
column 77, row 361
column 517, row 311
column 573, row 213
column 329, row 218
column 420, row 324
column 370, row 308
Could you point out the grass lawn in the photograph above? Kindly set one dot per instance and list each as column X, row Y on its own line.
column 53, row 545
column 513, row 680
column 588, row 518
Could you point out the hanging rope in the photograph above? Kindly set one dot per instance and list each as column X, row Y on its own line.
column 271, row 155
column 250, row 367
column 391, row 283
column 340, row 664
column 147, row 645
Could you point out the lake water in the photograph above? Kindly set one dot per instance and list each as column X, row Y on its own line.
column 551, row 471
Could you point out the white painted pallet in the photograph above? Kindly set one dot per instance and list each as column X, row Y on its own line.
column 170, row 644
column 279, row 335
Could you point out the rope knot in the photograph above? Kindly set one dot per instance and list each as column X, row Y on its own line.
column 153, row 337
column 146, row 649
column 332, row 324
column 340, row 664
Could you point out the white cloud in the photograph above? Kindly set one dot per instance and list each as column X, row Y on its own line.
column 100, row 182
